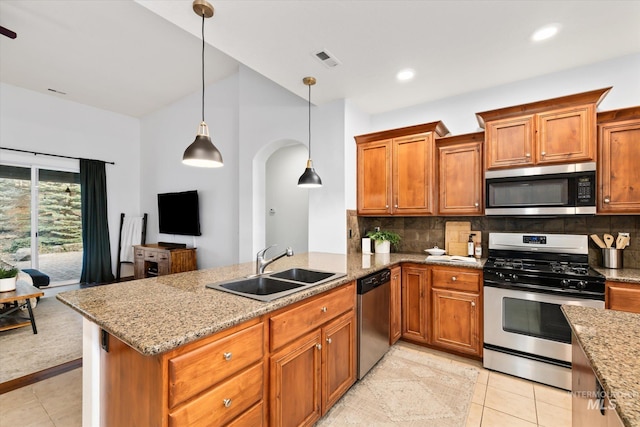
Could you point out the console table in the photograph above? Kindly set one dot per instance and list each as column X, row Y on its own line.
column 153, row 259
column 10, row 317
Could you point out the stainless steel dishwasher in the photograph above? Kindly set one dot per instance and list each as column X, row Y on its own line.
column 373, row 319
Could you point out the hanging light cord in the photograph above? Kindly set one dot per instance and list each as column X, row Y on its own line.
column 203, row 66
column 309, row 121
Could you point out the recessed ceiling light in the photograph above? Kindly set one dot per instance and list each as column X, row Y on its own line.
column 406, row 74
column 546, row 32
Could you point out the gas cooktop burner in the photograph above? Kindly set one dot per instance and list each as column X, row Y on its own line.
column 564, row 268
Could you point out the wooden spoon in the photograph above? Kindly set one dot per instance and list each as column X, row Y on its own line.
column 620, row 241
column 598, row 241
column 608, row 240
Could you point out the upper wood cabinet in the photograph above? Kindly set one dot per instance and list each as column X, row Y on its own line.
column 559, row 130
column 618, row 154
column 396, row 170
column 460, row 174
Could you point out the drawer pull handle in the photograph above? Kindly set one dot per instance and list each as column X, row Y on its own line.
column 454, row 278
column 328, row 340
column 227, row 356
column 319, row 346
column 226, row 402
column 323, row 309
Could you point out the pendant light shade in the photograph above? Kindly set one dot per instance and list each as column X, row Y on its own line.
column 202, row 152
column 309, row 179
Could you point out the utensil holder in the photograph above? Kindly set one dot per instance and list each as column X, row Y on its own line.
column 612, row 258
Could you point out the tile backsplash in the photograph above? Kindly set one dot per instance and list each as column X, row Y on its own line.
column 419, row 233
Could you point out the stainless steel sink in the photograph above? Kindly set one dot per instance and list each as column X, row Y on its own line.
column 271, row 286
column 302, row 275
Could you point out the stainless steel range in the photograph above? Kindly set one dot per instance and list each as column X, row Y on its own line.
column 527, row 277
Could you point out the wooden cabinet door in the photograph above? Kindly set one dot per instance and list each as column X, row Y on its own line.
column 295, row 382
column 585, row 410
column 339, row 358
column 414, row 303
column 566, row 135
column 460, row 179
column 622, row 296
column 395, row 306
column 374, row 178
column 413, row 175
column 618, row 171
column 164, row 263
column 455, row 320
column 510, row 142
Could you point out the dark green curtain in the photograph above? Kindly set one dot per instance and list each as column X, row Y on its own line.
column 96, row 256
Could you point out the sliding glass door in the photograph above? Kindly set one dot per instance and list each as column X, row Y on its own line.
column 40, row 222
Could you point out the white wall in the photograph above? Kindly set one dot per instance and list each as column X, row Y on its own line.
column 357, row 122
column 165, row 135
column 50, row 124
column 287, row 206
column 458, row 113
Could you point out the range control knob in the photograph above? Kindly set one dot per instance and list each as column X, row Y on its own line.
column 513, row 276
column 565, row 282
column 582, row 284
column 500, row 275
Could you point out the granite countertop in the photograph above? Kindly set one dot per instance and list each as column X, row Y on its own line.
column 158, row 314
column 611, row 341
column 628, row 275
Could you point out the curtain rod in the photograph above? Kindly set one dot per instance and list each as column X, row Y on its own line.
column 36, row 153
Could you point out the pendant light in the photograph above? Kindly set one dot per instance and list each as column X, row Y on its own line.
column 309, row 179
column 202, row 152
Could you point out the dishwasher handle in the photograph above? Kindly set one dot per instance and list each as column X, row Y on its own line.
column 374, row 280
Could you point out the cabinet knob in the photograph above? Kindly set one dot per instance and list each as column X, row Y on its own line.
column 396, row 205
column 386, row 206
column 328, row 340
column 544, row 153
column 607, row 200
column 323, row 309
column 476, row 204
column 226, row 402
column 454, row 278
column 227, row 356
column 473, row 303
column 528, row 155
column 319, row 346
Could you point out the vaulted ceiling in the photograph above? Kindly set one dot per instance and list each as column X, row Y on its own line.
column 134, row 57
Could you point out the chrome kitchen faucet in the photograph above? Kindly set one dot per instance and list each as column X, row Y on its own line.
column 262, row 263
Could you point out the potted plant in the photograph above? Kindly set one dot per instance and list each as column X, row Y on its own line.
column 383, row 240
column 8, row 276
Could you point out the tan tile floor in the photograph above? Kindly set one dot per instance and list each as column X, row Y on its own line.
column 498, row 401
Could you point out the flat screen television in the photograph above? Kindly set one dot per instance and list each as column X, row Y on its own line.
column 179, row 213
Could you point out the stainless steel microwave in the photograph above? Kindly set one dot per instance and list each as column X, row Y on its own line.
column 545, row 190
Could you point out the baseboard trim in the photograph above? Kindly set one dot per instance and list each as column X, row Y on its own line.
column 39, row 376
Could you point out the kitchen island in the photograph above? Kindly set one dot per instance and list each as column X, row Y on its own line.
column 610, row 340
column 157, row 318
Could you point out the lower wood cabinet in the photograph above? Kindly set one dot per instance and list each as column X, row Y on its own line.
column 286, row 368
column 395, row 306
column 308, row 375
column 415, row 303
column 442, row 307
column 622, row 296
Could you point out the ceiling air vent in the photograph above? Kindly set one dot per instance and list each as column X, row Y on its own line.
column 326, row 58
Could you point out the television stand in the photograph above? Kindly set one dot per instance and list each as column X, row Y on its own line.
column 155, row 259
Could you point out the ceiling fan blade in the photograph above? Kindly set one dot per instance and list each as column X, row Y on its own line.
column 7, row 32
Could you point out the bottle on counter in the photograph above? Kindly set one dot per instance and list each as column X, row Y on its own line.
column 478, row 250
column 470, row 247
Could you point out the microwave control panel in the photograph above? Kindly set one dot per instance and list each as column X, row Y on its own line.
column 585, row 187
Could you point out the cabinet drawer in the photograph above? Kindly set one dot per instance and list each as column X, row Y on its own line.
column 623, row 297
column 456, row 279
column 139, row 253
column 223, row 403
column 254, row 417
column 197, row 370
column 150, row 255
column 163, row 256
column 293, row 323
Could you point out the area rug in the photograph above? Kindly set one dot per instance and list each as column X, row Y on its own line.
column 407, row 387
column 59, row 340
